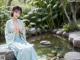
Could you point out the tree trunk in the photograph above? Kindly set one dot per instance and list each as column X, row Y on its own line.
column 73, row 10
column 64, row 8
column 67, row 15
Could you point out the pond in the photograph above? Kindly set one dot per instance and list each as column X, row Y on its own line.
column 56, row 49
column 59, row 46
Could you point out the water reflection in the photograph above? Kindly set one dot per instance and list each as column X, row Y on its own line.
column 59, row 46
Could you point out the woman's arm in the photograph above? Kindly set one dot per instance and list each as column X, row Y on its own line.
column 9, row 36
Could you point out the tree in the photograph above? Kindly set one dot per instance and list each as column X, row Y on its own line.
column 74, row 6
column 73, row 10
column 64, row 4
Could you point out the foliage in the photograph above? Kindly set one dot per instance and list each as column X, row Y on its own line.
column 4, row 16
column 70, row 27
column 46, row 13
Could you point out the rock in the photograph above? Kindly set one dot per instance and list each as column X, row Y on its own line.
column 59, row 32
column 65, row 34
column 54, row 53
column 70, row 39
column 50, row 55
column 32, row 30
column 54, row 31
column 45, row 43
column 54, row 58
column 43, row 57
column 74, row 38
column 59, row 55
column 76, row 42
column 72, row 56
column 6, row 54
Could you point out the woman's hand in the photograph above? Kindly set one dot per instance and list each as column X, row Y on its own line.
column 16, row 29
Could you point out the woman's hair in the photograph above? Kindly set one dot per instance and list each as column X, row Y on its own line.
column 16, row 8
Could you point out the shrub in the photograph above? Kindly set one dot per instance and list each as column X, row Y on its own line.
column 70, row 27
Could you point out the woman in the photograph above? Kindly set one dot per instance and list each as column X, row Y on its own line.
column 15, row 36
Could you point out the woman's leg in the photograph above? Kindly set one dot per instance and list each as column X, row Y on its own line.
column 26, row 52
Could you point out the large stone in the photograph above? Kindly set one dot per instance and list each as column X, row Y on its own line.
column 72, row 56
column 54, row 31
column 45, row 43
column 59, row 32
column 32, row 30
column 6, row 54
column 65, row 34
column 76, row 42
column 74, row 38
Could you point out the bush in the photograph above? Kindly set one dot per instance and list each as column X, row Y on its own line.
column 70, row 27
column 4, row 16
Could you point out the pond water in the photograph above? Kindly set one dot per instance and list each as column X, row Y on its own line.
column 59, row 46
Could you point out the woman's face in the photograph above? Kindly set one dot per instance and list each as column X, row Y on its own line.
column 16, row 14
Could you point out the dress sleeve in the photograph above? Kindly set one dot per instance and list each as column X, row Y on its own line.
column 24, row 31
column 9, row 36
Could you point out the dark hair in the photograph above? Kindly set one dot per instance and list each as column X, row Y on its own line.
column 16, row 8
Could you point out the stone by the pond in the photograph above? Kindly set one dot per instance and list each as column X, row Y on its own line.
column 32, row 30
column 72, row 56
column 55, row 30
column 74, row 35
column 43, row 57
column 45, row 43
column 65, row 34
column 76, row 42
column 59, row 32
column 6, row 54
column 54, row 58
column 74, row 38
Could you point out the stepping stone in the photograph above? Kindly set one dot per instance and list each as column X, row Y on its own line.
column 72, row 56
column 59, row 32
column 45, row 43
column 65, row 34
column 76, row 42
column 54, row 31
column 6, row 54
column 74, row 38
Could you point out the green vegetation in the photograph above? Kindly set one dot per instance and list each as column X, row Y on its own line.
column 70, row 27
column 46, row 14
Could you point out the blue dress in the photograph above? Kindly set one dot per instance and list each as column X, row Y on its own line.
column 17, row 42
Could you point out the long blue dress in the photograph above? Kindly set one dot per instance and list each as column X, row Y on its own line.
column 17, row 42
